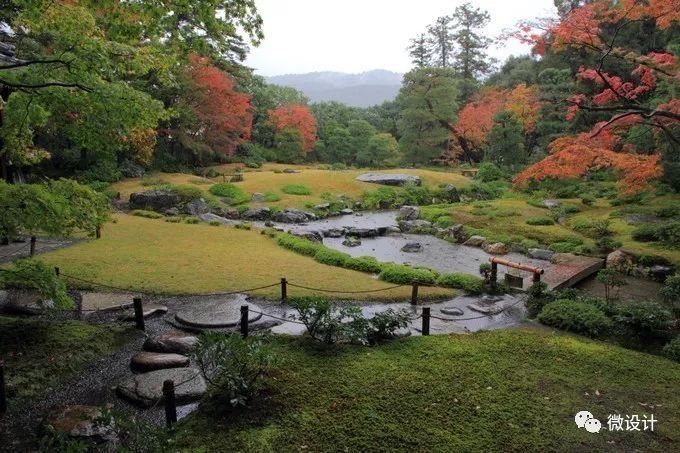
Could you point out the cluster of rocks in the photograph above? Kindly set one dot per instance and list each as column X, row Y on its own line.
column 627, row 263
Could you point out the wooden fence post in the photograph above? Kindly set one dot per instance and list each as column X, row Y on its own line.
column 426, row 321
column 170, row 404
column 3, row 395
column 284, row 290
column 494, row 273
column 414, row 294
column 33, row 240
column 139, row 312
column 98, row 233
column 244, row 321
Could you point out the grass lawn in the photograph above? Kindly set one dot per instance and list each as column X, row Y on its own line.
column 318, row 180
column 155, row 256
column 511, row 390
column 39, row 354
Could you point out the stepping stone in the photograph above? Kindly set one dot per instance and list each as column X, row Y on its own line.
column 485, row 309
column 453, row 311
column 149, row 361
column 82, row 422
column 105, row 301
column 26, row 302
column 146, row 389
column 148, row 309
column 218, row 312
column 178, row 343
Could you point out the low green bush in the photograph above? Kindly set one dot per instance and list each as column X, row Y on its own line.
column 672, row 349
column 540, row 221
column 405, row 275
column 173, row 219
column 187, row 192
column 331, row 257
column 484, row 190
column 488, row 171
column 229, row 190
column 215, row 223
column 564, row 247
column 364, row 264
column 271, row 197
column 34, row 274
column 644, row 319
column 469, row 283
column 667, row 232
column 579, row 317
column 146, row 214
column 671, row 289
column 298, row 245
column 296, row 189
column 192, row 220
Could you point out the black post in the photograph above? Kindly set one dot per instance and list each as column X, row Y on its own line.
column 537, row 277
column 3, row 396
column 414, row 294
column 98, row 233
column 139, row 312
column 284, row 290
column 494, row 273
column 426, row 321
column 170, row 404
column 244, row 321
column 57, row 271
column 33, row 239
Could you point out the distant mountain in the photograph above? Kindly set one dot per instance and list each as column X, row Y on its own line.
column 359, row 90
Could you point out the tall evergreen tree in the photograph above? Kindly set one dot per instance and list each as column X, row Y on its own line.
column 440, row 40
column 420, row 53
column 470, row 59
column 506, row 141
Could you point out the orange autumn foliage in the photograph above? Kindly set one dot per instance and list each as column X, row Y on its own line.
column 296, row 116
column 574, row 156
column 224, row 115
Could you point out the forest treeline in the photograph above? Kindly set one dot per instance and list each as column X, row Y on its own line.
column 101, row 90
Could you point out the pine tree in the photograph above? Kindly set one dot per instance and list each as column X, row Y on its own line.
column 470, row 59
column 506, row 141
column 441, row 41
column 419, row 51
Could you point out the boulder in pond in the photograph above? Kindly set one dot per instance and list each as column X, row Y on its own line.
column 540, row 254
column 351, row 241
column 290, row 215
column 416, row 226
column 333, row 233
column 660, row 273
column 346, row 211
column 179, row 343
column 154, row 200
column 363, row 232
column 257, row 214
column 495, row 248
column 409, row 213
column 150, row 361
column 390, row 179
column 453, row 311
column 313, row 236
column 82, row 422
column 412, row 247
column 146, row 389
column 197, row 207
column 620, row 261
column 475, row 241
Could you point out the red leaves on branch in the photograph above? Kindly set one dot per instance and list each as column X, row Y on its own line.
column 299, row 117
column 225, row 116
column 573, row 156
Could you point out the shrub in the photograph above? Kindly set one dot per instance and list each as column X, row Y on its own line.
column 236, row 366
column 483, row 191
column 173, row 219
column 271, row 197
column 299, row 245
column 579, row 317
column 229, row 190
column 380, row 198
column 539, row 297
column 645, row 233
column 643, row 319
column 469, row 283
column 146, row 214
column 671, row 289
column 540, row 221
column 488, row 171
column 214, row 223
column 34, row 274
column 296, row 189
column 588, row 200
column 405, row 275
column 329, row 323
column 187, row 192
column 564, row 247
column 672, row 349
column 668, row 233
column 364, row 264
column 192, row 220
column 331, row 257
column 384, row 325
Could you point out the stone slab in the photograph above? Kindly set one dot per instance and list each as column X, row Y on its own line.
column 179, row 343
column 150, row 361
column 106, row 301
column 148, row 309
column 218, row 312
column 146, row 389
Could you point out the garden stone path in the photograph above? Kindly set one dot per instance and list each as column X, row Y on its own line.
column 217, row 312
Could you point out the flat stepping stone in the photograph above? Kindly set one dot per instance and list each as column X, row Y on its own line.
column 218, row 312
column 81, row 422
column 106, row 301
column 146, row 389
column 485, row 309
column 453, row 311
column 150, row 361
column 148, row 309
column 178, row 343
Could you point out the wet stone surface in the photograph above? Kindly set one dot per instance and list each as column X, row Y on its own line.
column 150, row 361
column 218, row 311
column 146, row 389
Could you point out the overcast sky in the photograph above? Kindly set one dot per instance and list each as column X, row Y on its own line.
column 360, row 35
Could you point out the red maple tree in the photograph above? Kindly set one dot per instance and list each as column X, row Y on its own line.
column 297, row 116
column 224, row 116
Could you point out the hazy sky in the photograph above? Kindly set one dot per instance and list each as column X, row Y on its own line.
column 359, row 35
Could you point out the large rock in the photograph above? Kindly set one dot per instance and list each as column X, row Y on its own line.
column 451, row 193
column 409, row 213
column 179, row 343
column 346, row 211
column 551, row 204
column 412, row 247
column 150, row 361
column 26, row 302
column 258, row 197
column 363, row 232
column 540, row 254
column 290, row 215
column 313, row 236
column 197, row 207
column 210, row 217
column 218, row 312
column 227, row 213
column 155, row 200
column 257, row 214
column 333, row 233
column 475, row 241
column 351, row 241
column 495, row 248
column 453, row 311
column 387, row 179
column 146, row 389
column 416, row 226
column 620, row 261
column 83, row 423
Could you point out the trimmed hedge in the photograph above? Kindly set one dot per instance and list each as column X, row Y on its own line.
column 364, row 264
column 405, row 275
column 672, row 349
column 579, row 317
column 296, row 189
column 299, row 245
column 544, row 221
column 331, row 257
column 228, row 190
column 469, row 283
